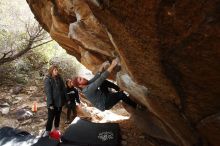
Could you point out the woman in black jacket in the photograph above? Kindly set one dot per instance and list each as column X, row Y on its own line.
column 72, row 98
column 56, row 95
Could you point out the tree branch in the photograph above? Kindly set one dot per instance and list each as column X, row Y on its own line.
column 19, row 54
column 34, row 34
column 41, row 44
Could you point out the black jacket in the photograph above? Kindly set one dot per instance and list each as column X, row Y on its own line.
column 72, row 96
column 55, row 91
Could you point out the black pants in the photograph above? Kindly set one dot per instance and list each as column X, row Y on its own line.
column 53, row 115
column 106, row 85
column 71, row 108
column 114, row 98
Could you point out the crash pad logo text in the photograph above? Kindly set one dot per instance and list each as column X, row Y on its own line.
column 104, row 136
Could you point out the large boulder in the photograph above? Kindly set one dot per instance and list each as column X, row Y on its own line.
column 169, row 52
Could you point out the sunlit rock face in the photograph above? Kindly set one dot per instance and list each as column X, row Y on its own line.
column 169, row 52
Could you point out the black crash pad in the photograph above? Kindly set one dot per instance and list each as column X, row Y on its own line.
column 82, row 132
column 46, row 141
column 14, row 137
column 64, row 144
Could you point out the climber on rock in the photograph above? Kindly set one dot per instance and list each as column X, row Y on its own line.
column 97, row 90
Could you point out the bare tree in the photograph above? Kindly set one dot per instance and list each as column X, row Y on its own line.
column 34, row 36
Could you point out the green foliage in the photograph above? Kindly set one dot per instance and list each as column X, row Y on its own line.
column 13, row 36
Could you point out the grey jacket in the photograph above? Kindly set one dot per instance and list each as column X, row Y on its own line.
column 55, row 91
column 93, row 93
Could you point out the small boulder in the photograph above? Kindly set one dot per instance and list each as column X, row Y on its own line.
column 5, row 110
column 17, row 90
column 23, row 114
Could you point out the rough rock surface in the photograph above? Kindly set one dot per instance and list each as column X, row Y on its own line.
column 169, row 52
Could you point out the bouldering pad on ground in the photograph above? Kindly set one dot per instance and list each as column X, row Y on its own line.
column 14, row 137
column 46, row 141
column 83, row 132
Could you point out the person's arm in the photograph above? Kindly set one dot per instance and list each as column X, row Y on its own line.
column 97, row 75
column 94, row 86
column 68, row 95
column 64, row 90
column 48, row 91
column 113, row 65
column 77, row 96
column 101, row 69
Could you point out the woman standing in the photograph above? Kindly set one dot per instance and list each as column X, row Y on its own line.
column 55, row 93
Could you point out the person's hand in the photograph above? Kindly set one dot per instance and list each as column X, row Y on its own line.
column 115, row 62
column 51, row 107
column 104, row 66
